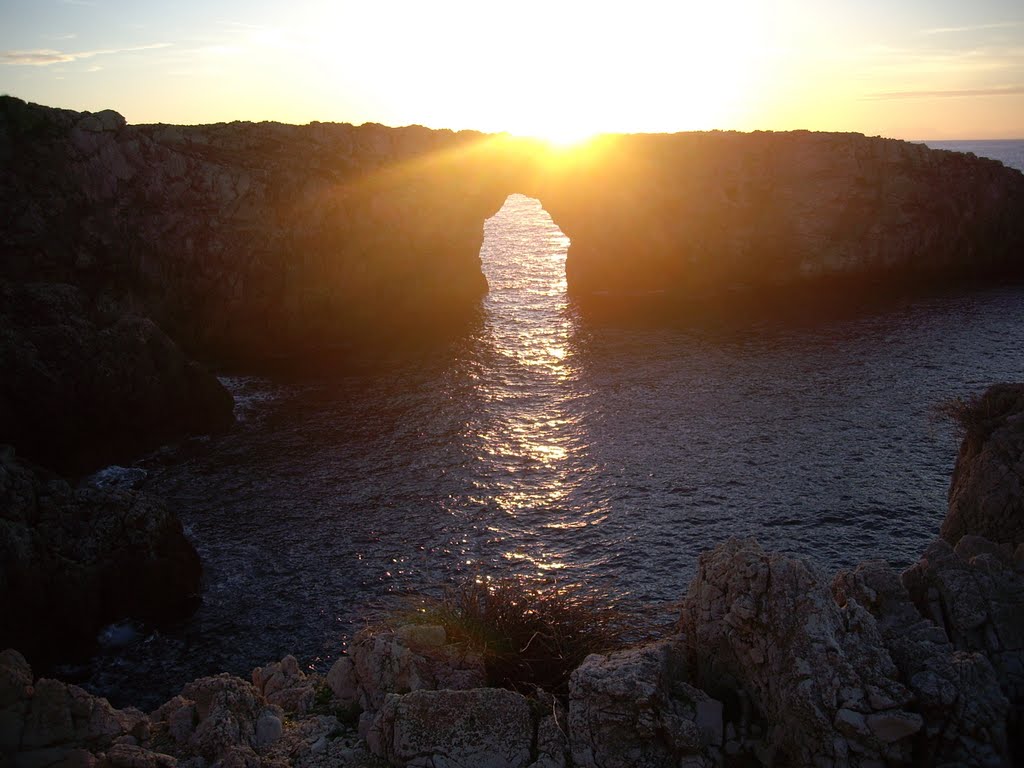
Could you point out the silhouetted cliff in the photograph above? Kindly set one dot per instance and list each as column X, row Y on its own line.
column 255, row 239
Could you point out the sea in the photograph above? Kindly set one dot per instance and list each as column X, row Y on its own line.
column 546, row 445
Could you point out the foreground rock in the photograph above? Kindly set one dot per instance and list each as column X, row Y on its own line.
column 986, row 495
column 481, row 728
column 768, row 626
column 635, row 708
column 84, row 387
column 72, row 561
column 215, row 721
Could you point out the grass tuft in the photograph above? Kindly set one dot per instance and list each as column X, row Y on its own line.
column 978, row 416
column 530, row 634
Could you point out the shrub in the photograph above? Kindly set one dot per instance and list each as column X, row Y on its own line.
column 530, row 634
column 978, row 415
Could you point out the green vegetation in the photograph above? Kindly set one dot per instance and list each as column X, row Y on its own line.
column 529, row 634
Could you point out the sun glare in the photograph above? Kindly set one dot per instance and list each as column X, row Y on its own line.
column 566, row 136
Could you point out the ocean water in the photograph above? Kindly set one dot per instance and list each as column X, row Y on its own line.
column 543, row 443
column 1010, row 152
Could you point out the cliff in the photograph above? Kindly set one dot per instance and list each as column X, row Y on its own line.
column 258, row 240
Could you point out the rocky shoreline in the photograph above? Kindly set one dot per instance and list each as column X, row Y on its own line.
column 772, row 664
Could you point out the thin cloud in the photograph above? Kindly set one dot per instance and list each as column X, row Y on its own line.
column 1009, row 90
column 970, row 28
column 88, row 3
column 44, row 57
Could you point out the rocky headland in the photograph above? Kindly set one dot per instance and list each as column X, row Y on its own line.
column 262, row 241
column 772, row 663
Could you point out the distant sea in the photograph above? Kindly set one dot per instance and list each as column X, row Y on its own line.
column 1010, row 152
column 544, row 444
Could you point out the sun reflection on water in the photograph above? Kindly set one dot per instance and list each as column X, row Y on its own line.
column 529, row 443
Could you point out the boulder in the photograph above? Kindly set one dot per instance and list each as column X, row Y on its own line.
column 408, row 659
column 480, row 728
column 956, row 691
column 46, row 721
column 634, row 709
column 975, row 592
column 83, row 388
column 227, row 709
column 73, row 560
column 767, row 625
column 986, row 494
column 283, row 684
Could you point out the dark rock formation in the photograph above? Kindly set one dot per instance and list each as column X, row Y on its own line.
column 634, row 708
column 85, row 386
column 768, row 626
column 74, row 560
column 258, row 240
column 986, row 495
column 46, row 722
column 975, row 593
column 484, row 727
column 742, row 216
column 243, row 239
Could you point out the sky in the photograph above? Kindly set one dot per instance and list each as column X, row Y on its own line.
column 913, row 69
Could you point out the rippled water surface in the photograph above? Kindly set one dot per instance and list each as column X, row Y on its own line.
column 608, row 454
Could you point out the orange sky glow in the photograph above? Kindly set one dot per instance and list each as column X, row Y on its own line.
column 557, row 69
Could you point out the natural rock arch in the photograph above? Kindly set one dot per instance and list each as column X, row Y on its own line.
column 248, row 239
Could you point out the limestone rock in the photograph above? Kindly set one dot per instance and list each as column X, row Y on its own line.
column 956, row 692
column 633, row 709
column 975, row 592
column 74, row 560
column 397, row 662
column 986, row 494
column 284, row 684
column 767, row 625
column 47, row 722
column 228, row 709
column 341, row 678
column 480, row 728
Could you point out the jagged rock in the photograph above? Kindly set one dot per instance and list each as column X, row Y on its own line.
column 480, row 728
column 400, row 661
column 179, row 717
column 49, row 722
column 975, row 592
column 228, row 709
column 85, row 387
column 634, row 709
column 767, row 624
column 341, row 679
column 284, row 684
column 986, row 494
column 74, row 560
column 15, row 686
column 131, row 756
column 956, row 692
